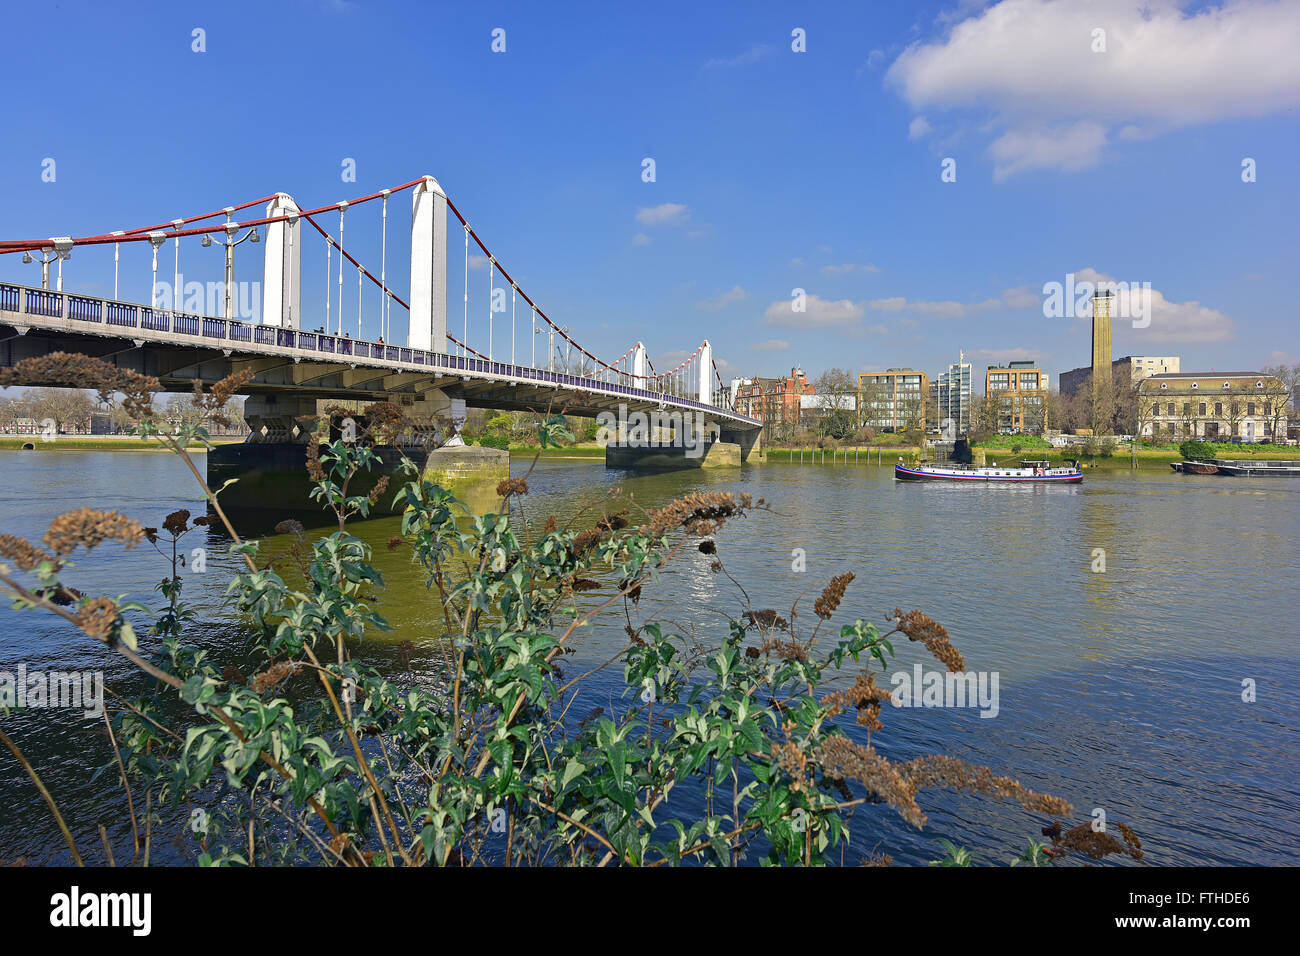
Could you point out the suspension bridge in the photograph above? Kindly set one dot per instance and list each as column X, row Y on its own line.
column 186, row 332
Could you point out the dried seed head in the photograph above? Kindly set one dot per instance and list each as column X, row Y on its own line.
column 830, row 598
column 923, row 628
column 89, row 527
column 96, row 617
column 22, row 552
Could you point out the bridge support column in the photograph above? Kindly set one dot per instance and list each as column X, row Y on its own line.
column 749, row 441
column 706, row 374
column 281, row 277
column 428, row 328
column 675, row 456
column 471, row 473
column 273, row 418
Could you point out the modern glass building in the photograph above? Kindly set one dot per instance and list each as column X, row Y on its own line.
column 950, row 399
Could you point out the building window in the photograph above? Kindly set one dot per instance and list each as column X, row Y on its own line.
column 1218, row 409
column 1202, row 409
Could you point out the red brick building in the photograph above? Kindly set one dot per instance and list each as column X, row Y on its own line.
column 775, row 402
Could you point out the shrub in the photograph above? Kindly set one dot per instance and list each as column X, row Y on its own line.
column 718, row 751
column 1193, row 450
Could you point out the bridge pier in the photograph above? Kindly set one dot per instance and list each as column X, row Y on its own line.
column 671, row 456
column 470, row 472
column 749, row 440
column 270, row 467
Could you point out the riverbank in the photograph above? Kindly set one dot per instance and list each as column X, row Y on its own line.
column 1122, row 458
column 93, row 443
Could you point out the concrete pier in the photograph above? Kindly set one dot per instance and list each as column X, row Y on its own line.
column 470, row 472
column 272, row 477
column 641, row 456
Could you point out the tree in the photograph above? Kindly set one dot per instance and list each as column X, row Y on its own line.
column 871, row 396
column 984, row 416
column 836, row 394
column 1056, row 410
column 911, row 410
column 67, row 407
column 1281, row 392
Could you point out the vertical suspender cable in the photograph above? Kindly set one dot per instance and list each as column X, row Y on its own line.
column 176, row 268
column 491, row 304
column 533, row 309
column 512, row 323
column 384, row 330
column 464, row 342
column 329, row 274
column 287, row 292
column 360, row 273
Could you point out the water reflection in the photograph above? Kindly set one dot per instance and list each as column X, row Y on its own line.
column 1120, row 686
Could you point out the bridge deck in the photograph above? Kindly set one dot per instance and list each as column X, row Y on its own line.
column 27, row 308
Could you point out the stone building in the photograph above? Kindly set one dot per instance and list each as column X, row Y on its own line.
column 1214, row 406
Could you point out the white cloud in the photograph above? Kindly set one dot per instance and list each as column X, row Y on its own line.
column 771, row 345
column 849, row 268
column 750, row 56
column 477, row 262
column 1018, row 298
column 1071, row 147
column 665, row 214
column 1171, row 322
column 818, row 313
column 734, row 294
column 942, row 310
column 641, row 239
column 1053, row 100
column 1002, row 356
column 919, row 128
column 1021, row 297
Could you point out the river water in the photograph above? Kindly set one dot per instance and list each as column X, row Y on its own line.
column 1119, row 689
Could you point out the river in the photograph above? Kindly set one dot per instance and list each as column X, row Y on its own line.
column 1120, row 689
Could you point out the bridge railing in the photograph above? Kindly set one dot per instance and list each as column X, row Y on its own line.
column 124, row 315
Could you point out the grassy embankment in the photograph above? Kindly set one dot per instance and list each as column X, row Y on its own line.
column 855, row 455
column 1122, row 456
column 586, row 451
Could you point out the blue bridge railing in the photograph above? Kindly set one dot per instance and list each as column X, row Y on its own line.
column 123, row 315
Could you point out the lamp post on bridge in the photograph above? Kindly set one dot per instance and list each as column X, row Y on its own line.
column 229, row 243
column 48, row 255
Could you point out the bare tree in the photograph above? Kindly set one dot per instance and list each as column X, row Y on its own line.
column 1281, row 394
column 69, row 408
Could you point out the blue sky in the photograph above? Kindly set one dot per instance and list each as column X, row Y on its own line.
column 775, row 169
